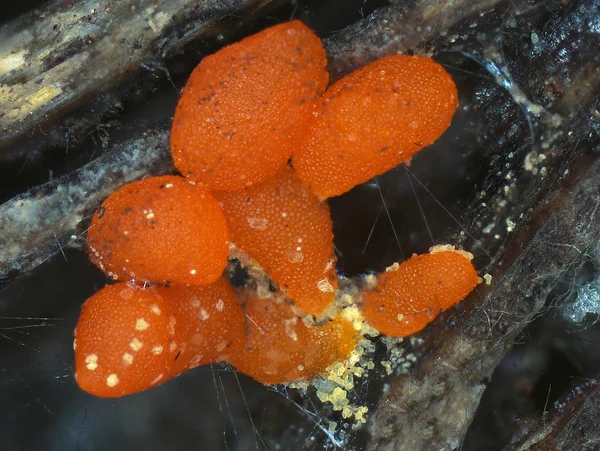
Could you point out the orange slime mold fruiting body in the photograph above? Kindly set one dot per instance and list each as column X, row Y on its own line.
column 245, row 108
column 409, row 297
column 210, row 322
column 374, row 119
column 280, row 348
column 160, row 229
column 124, row 341
column 288, row 231
column 243, row 113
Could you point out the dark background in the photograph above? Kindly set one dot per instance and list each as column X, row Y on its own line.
column 388, row 219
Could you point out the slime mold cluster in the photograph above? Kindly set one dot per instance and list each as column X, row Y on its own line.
column 261, row 141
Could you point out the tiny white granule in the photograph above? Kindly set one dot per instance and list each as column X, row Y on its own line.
column 325, row 286
column 195, row 360
column 126, row 293
column 258, row 223
column 128, row 358
column 393, row 267
column 136, row 344
column 112, row 380
column 203, row 315
column 488, row 279
column 172, row 322
column 222, row 345
column 92, row 362
column 289, row 328
column 220, row 304
column 156, row 350
column 141, row 324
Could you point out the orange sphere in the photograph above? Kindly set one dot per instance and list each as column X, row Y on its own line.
column 210, row 322
column 288, row 231
column 124, row 341
column 374, row 119
column 408, row 298
column 160, row 229
column 280, row 348
column 245, row 108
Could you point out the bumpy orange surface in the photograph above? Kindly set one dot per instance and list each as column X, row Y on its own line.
column 285, row 228
column 124, row 341
column 408, row 298
column 374, row 119
column 242, row 114
column 160, row 229
column 280, row 348
column 245, row 108
column 210, row 322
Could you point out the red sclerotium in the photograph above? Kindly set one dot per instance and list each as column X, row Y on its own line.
column 210, row 322
column 244, row 109
column 374, row 119
column 288, row 231
column 411, row 295
column 279, row 348
column 160, row 229
column 124, row 341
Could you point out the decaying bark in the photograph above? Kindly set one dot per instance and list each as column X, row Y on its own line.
column 555, row 216
column 53, row 60
column 444, row 390
column 397, row 29
column 532, row 219
column 573, row 424
column 38, row 223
